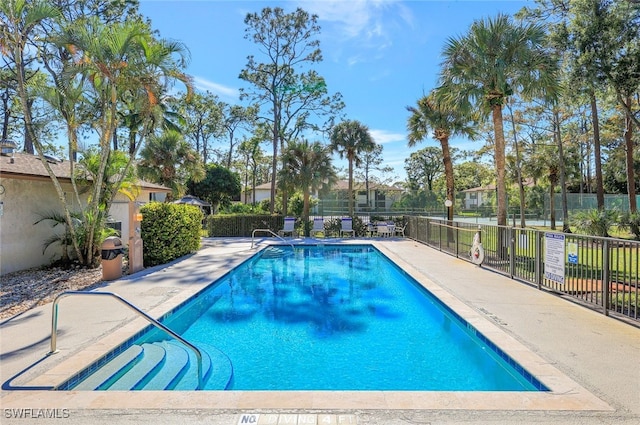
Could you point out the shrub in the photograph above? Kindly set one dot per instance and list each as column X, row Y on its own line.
column 169, row 231
column 631, row 222
column 331, row 226
column 594, row 222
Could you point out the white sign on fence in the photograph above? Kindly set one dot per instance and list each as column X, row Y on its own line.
column 554, row 257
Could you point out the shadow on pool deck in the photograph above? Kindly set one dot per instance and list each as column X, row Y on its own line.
column 597, row 352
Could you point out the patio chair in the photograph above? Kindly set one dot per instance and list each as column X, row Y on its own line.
column 318, row 226
column 400, row 230
column 289, row 226
column 347, row 226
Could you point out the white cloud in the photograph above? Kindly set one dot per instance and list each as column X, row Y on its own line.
column 366, row 20
column 384, row 136
column 219, row 89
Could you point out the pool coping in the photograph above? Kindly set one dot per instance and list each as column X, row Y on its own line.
column 565, row 394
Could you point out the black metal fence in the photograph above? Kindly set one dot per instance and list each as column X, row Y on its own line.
column 602, row 273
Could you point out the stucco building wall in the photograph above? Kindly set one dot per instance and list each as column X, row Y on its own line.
column 21, row 241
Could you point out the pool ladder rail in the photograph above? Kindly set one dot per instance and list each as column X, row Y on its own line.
column 253, row 234
column 154, row 322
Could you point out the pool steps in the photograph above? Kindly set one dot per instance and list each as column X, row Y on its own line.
column 160, row 365
column 273, row 253
column 173, row 369
column 116, row 366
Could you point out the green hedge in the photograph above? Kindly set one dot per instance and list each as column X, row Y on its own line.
column 169, row 231
column 242, row 225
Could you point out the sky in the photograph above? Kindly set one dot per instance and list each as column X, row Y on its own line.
column 381, row 55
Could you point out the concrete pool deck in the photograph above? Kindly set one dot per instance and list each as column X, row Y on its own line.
column 590, row 361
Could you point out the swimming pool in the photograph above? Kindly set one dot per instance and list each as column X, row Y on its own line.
column 334, row 318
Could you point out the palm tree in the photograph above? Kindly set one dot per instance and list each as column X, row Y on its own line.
column 445, row 121
column 146, row 105
column 308, row 167
column 118, row 61
column 169, row 160
column 493, row 61
column 349, row 139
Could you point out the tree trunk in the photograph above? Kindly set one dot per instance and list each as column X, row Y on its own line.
column 563, row 187
column 631, row 182
column 552, row 205
column 253, row 186
column 6, row 113
column 28, row 133
column 448, row 175
column 350, row 186
column 518, row 171
column 285, row 202
column 305, row 211
column 596, row 152
column 22, row 95
column 501, row 187
column 274, row 171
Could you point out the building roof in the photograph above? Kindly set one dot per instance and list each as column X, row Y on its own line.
column 29, row 167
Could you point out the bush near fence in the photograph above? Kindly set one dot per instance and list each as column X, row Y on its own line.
column 242, row 225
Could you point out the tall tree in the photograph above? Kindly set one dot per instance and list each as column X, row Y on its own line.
column 234, row 118
column 283, row 84
column 20, row 21
column 252, row 155
column 218, row 187
column 308, row 167
column 373, row 161
column 444, row 120
column 117, row 60
column 351, row 139
column 202, row 121
column 424, row 167
column 494, row 60
column 606, row 34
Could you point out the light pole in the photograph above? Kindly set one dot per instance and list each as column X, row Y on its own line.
column 448, row 205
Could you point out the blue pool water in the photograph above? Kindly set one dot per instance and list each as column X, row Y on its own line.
column 339, row 318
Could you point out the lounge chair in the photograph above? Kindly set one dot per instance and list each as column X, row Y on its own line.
column 347, row 226
column 318, row 226
column 289, row 226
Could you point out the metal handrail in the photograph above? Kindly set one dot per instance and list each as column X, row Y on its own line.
column 253, row 234
column 154, row 322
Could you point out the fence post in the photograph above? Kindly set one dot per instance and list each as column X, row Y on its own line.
column 539, row 259
column 605, row 277
column 457, row 239
column 512, row 252
column 427, row 230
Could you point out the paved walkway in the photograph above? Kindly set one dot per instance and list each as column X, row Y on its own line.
column 601, row 354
